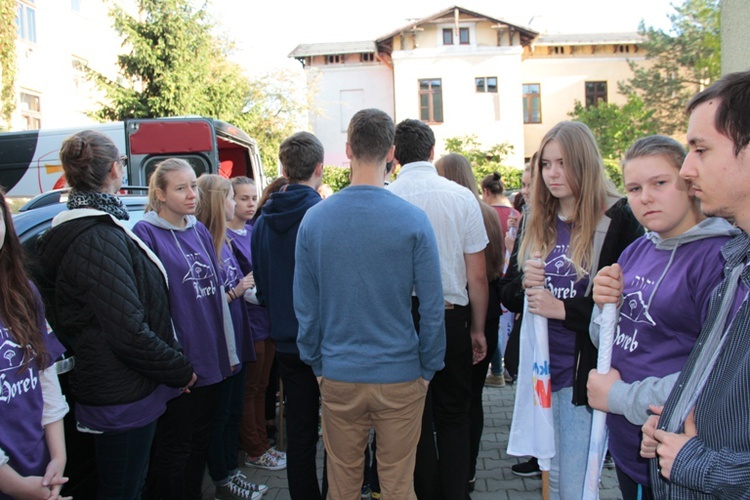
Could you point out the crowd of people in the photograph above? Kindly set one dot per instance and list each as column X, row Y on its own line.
column 385, row 309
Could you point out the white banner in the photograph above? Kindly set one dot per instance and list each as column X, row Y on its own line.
column 532, row 430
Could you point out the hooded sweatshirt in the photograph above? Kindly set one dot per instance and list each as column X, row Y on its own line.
column 195, row 292
column 665, row 301
column 273, row 243
column 260, row 323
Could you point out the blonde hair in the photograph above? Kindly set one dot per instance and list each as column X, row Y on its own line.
column 158, row 180
column 211, row 210
column 456, row 168
column 585, row 174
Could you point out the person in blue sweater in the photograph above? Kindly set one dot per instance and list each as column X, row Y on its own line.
column 272, row 247
column 355, row 324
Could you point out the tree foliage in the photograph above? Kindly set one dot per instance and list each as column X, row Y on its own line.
column 336, row 177
column 174, row 66
column 615, row 127
column 486, row 161
column 8, row 34
column 681, row 62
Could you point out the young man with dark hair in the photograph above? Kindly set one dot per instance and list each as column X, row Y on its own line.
column 457, row 221
column 701, row 441
column 273, row 241
column 353, row 284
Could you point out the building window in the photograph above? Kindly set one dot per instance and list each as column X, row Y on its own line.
column 431, row 100
column 596, row 92
column 26, row 21
column 463, row 36
column 532, row 103
column 31, row 110
column 559, row 49
column 447, row 36
column 334, row 59
column 486, row 84
column 367, row 57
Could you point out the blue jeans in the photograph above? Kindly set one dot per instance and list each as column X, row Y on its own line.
column 122, row 462
column 572, row 433
column 225, row 434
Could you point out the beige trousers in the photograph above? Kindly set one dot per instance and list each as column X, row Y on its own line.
column 395, row 411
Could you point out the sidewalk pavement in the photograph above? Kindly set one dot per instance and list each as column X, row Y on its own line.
column 495, row 481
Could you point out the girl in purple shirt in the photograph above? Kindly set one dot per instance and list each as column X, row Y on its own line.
column 661, row 283
column 215, row 207
column 577, row 224
column 32, row 444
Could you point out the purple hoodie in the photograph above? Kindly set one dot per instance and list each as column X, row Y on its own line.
column 231, row 274
column 665, row 300
column 260, row 322
column 195, row 292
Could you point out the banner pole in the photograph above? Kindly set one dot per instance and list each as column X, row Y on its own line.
column 545, row 485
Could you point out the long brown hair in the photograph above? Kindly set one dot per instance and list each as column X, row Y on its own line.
column 585, row 174
column 456, row 168
column 18, row 302
column 214, row 190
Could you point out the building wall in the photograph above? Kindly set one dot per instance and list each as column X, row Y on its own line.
column 562, row 81
column 493, row 117
column 735, row 37
column 340, row 91
column 45, row 67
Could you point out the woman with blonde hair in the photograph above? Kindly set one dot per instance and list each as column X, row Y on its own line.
column 577, row 224
column 215, row 209
column 456, row 168
column 196, row 297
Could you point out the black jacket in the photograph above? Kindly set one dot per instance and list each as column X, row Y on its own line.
column 107, row 301
column 623, row 230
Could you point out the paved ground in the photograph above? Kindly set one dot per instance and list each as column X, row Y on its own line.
column 495, row 481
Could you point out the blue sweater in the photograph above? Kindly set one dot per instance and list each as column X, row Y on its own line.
column 360, row 254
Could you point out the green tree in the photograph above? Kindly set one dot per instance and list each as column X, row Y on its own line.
column 336, row 177
column 272, row 109
column 8, row 34
column 680, row 62
column 486, row 161
column 616, row 127
column 173, row 65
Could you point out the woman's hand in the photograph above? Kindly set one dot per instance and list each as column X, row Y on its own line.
column 53, row 477
column 533, row 272
column 542, row 302
column 608, row 285
column 598, row 387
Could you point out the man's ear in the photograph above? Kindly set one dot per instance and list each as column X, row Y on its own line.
column 391, row 154
column 349, row 153
column 432, row 153
column 319, row 170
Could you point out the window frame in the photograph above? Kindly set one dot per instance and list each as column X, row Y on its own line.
column 461, row 32
column 431, row 92
column 26, row 20
column 594, row 97
column 485, row 84
column 28, row 114
column 528, row 97
column 449, row 32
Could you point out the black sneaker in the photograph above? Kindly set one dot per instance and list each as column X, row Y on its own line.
column 527, row 469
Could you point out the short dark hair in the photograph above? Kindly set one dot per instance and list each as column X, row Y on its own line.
column 370, row 134
column 493, row 183
column 87, row 159
column 299, row 154
column 414, row 140
column 733, row 113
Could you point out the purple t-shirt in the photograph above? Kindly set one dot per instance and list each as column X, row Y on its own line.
column 260, row 322
column 562, row 281
column 658, row 324
column 195, row 295
column 21, row 401
column 231, row 274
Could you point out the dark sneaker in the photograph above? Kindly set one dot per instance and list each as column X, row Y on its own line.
column 231, row 491
column 494, row 381
column 240, row 480
column 609, row 462
column 527, row 469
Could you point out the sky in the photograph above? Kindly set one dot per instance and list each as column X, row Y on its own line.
column 265, row 32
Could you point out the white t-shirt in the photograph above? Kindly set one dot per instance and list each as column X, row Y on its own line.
column 455, row 217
